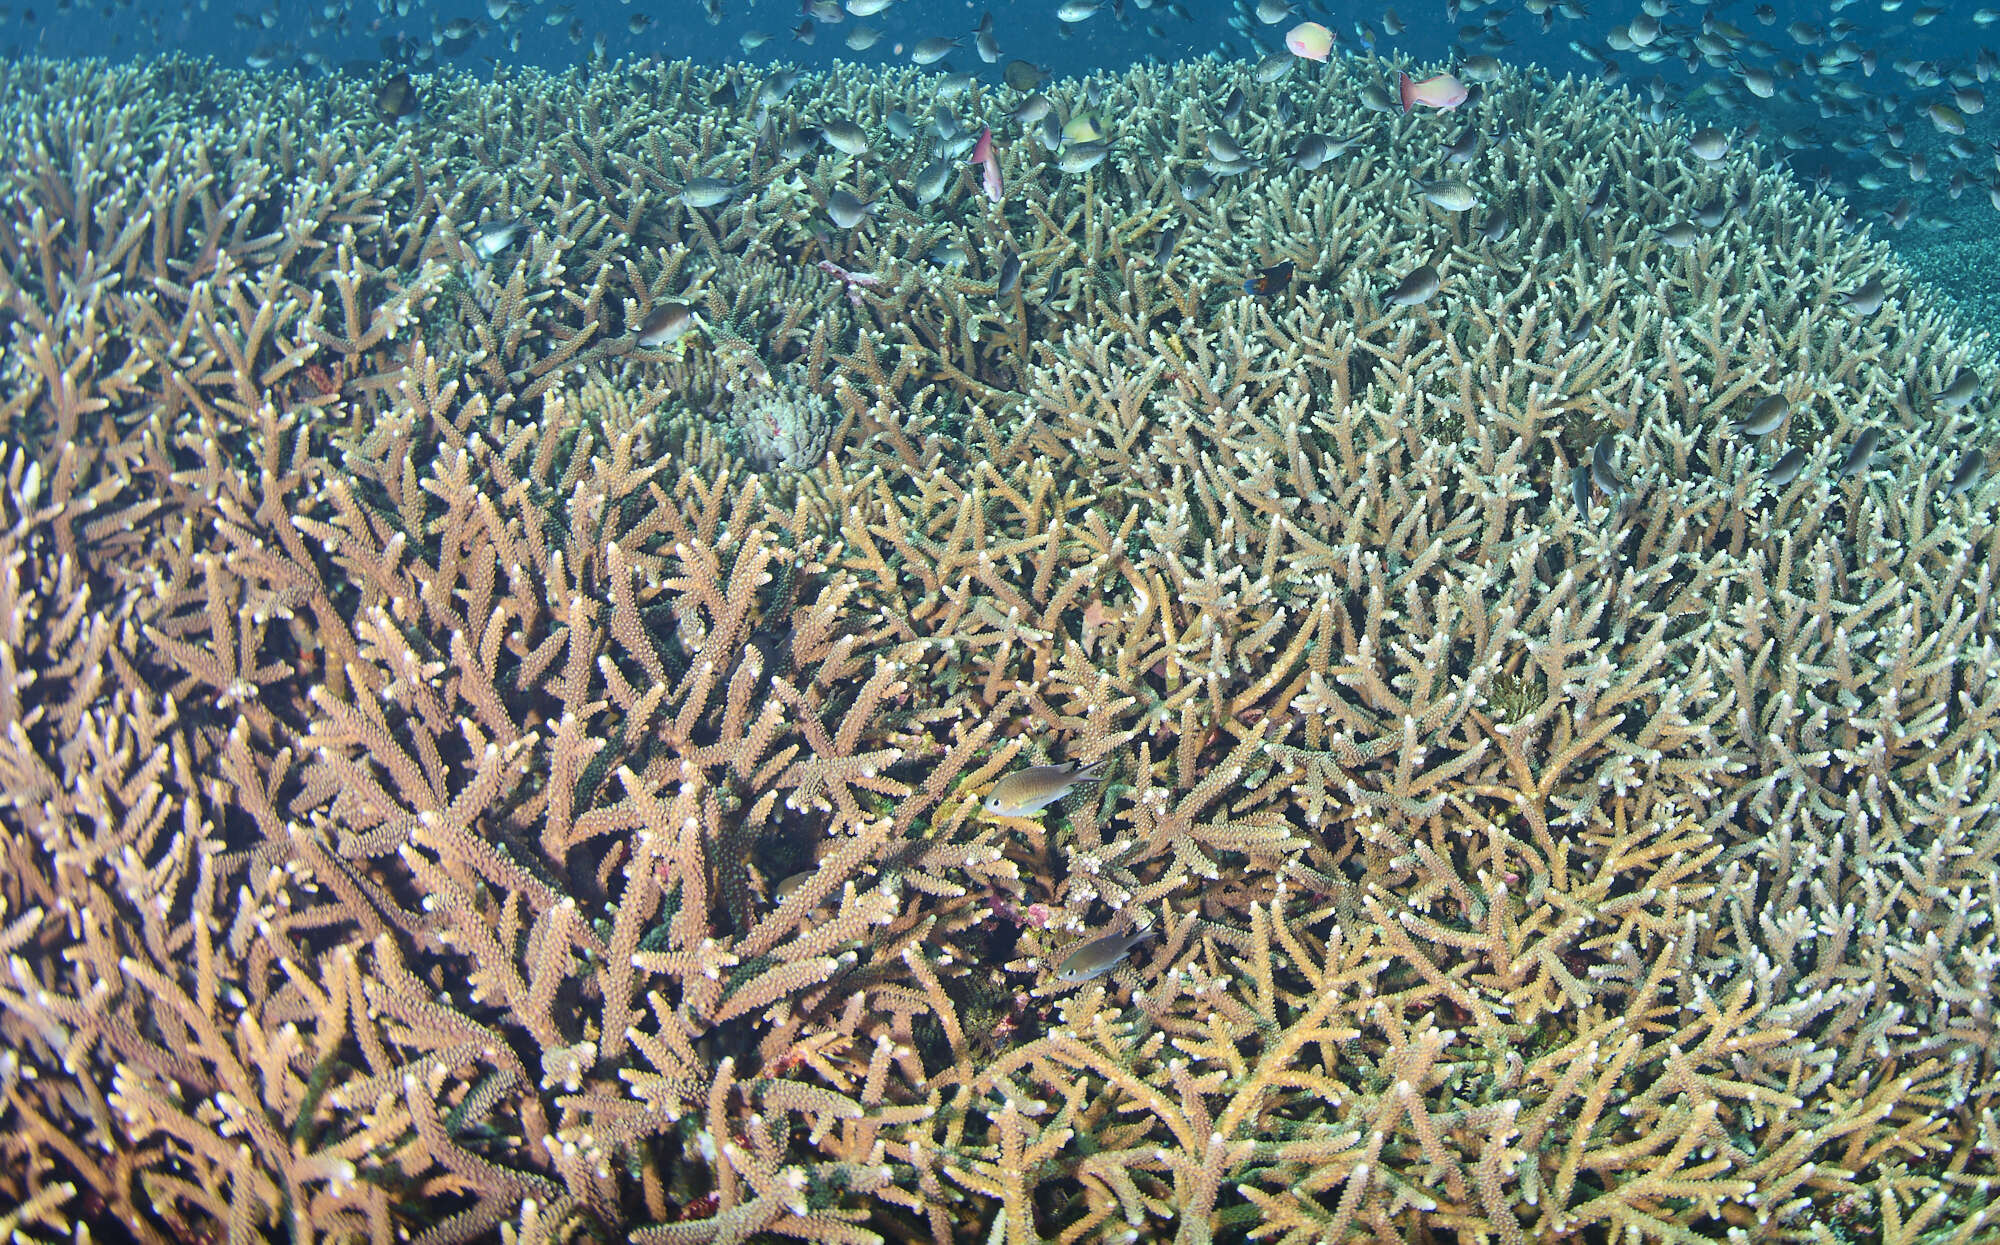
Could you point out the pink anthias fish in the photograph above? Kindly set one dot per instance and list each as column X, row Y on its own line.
column 1309, row 41
column 1443, row 92
column 988, row 162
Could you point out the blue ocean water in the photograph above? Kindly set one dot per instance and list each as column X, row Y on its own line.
column 1846, row 95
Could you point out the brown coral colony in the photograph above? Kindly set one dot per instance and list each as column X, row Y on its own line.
column 515, row 607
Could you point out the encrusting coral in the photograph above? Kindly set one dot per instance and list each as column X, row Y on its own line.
column 461, row 779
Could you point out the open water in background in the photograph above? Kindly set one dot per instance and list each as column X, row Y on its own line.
column 1828, row 126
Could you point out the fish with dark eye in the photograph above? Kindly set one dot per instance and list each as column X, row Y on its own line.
column 1030, row 111
column 1967, row 474
column 1709, row 144
column 844, row 136
column 494, row 237
column 396, row 100
column 1678, row 236
column 1962, row 389
column 1197, row 185
column 777, row 86
column 1866, row 298
column 665, row 325
column 1598, row 201
column 1858, row 454
column 1026, row 792
column 1448, row 193
column 1787, row 468
column 1225, row 149
column 1274, row 67
column 1604, row 466
column 708, row 192
column 1314, row 150
column 848, row 209
column 947, row 253
column 1099, row 956
column 1163, row 249
column 1270, row 282
column 1464, row 149
column 1082, row 157
column 931, row 181
column 1010, row 274
column 1764, row 418
column 1579, row 488
column 1415, row 289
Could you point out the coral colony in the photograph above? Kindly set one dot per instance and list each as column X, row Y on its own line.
column 518, row 610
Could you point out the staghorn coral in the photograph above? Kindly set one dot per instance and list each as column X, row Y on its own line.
column 450, row 790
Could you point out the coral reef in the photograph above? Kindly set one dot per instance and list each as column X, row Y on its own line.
column 460, row 781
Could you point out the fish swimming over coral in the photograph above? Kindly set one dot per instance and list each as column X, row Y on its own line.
column 1027, row 792
column 1100, row 955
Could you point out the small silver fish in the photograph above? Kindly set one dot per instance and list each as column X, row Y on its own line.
column 1966, row 475
column 1100, row 955
column 947, row 253
column 1274, row 66
column 665, row 325
column 1604, row 466
column 931, row 181
column 490, row 239
column 1711, row 214
column 1415, row 289
column 848, row 209
column 1962, row 389
column 1709, row 144
column 1026, row 792
column 1464, row 149
column 1447, row 193
column 1865, row 298
column 1787, row 468
column 1859, row 453
column 1679, row 236
column 1082, row 157
column 1197, row 185
column 1764, row 418
column 1030, row 110
column 844, row 136
column 777, row 86
column 1010, row 274
column 707, row 192
column 1579, row 489
column 1225, row 149
column 1311, row 151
